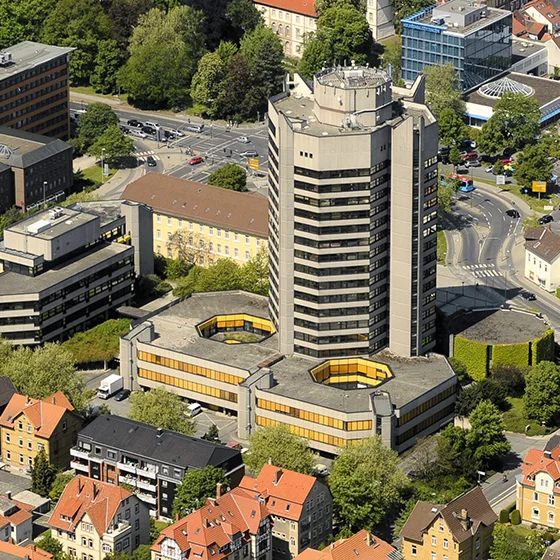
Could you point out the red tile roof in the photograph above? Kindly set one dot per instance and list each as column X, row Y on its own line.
column 546, row 8
column 537, row 461
column 204, row 532
column 44, row 415
column 30, row 551
column 361, row 546
column 304, row 7
column 285, row 491
column 83, row 495
column 19, row 512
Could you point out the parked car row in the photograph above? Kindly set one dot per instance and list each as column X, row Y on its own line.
column 149, row 128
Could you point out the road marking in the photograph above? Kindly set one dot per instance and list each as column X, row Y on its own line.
column 505, row 494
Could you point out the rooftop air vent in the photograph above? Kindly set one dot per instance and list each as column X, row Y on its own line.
column 5, row 58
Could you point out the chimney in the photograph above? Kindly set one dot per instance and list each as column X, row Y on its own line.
column 548, row 454
column 206, row 524
column 176, row 517
column 218, row 490
column 9, row 494
column 368, row 538
column 464, row 519
column 270, row 460
column 277, row 476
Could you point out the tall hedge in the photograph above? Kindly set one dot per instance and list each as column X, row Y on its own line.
column 543, row 348
column 473, row 354
column 510, row 354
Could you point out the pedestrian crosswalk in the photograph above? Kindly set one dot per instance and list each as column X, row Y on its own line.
column 144, row 155
column 483, row 270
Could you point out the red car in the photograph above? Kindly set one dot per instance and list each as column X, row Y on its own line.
column 196, row 159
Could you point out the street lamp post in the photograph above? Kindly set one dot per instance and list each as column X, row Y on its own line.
column 44, row 192
column 102, row 164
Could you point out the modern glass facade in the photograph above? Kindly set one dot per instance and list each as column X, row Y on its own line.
column 478, row 55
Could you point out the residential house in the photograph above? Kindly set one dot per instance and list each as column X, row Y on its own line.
column 11, row 551
column 361, row 546
column 16, row 520
column 461, row 529
column 93, row 519
column 538, row 487
column 300, row 505
column 545, row 12
column 199, row 222
column 542, row 265
column 233, row 526
column 28, row 425
column 154, row 461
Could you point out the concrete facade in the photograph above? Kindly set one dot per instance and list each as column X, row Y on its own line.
column 34, row 88
column 353, row 208
column 65, row 269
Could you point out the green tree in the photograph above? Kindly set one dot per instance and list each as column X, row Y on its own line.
column 45, row 370
column 510, row 545
column 212, row 434
column 229, row 176
column 486, row 390
column 446, row 193
column 176, row 268
column 234, row 97
column 113, row 144
column 197, row 486
column 322, row 5
column 117, row 556
column 542, row 393
column 143, row 552
column 499, row 167
column 254, row 273
column 343, row 34
column 99, row 344
column 43, row 474
column 108, row 61
column 96, row 120
column 451, row 128
column 164, row 52
column 222, row 276
column 161, row 408
column 51, row 545
column 405, row 8
column 283, row 448
column 208, row 82
column 77, row 24
column 366, row 483
column 58, row 486
column 455, row 157
column 532, row 164
column 243, row 16
column 443, row 90
column 392, row 54
column 491, row 139
column 516, row 117
column 486, row 441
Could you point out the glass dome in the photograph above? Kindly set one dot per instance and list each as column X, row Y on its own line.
column 495, row 90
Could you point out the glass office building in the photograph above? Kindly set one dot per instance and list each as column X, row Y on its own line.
column 475, row 39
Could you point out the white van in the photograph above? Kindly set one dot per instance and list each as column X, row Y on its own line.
column 152, row 124
column 193, row 409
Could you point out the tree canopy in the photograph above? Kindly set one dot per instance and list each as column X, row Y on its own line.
column 279, row 445
column 112, row 144
column 532, row 164
column 94, row 122
column 43, row 474
column 99, row 344
column 451, row 128
column 197, row 486
column 510, row 545
column 443, row 90
column 366, row 483
column 542, row 393
column 229, row 176
column 343, row 35
column 162, row 408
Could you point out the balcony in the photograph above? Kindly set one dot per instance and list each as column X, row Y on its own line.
column 147, row 498
column 75, row 452
column 126, row 467
column 146, row 486
column 127, row 480
column 148, row 472
column 79, row 467
column 136, row 468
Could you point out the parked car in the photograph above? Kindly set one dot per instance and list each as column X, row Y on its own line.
column 473, row 163
column 489, row 169
column 168, row 135
column 134, row 122
column 513, row 213
column 546, row 219
column 249, row 153
column 196, row 159
column 150, row 160
column 530, row 296
column 195, row 127
column 138, row 133
column 508, row 173
column 122, row 395
column 471, row 156
column 244, row 139
column 149, row 130
column 178, row 133
column 152, row 124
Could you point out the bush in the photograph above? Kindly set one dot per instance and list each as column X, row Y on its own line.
column 515, row 517
column 511, row 507
column 543, row 348
column 460, row 369
column 474, row 355
column 176, row 268
column 510, row 354
column 504, row 516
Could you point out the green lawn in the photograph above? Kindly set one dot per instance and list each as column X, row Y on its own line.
column 536, row 204
column 515, row 420
column 441, row 247
column 87, row 90
column 94, row 173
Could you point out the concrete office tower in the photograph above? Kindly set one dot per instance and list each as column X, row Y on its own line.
column 353, row 213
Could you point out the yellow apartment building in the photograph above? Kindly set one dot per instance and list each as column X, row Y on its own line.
column 29, row 425
column 201, row 223
column 93, row 519
column 462, row 529
column 538, row 490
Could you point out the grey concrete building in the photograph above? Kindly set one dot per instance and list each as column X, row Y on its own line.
column 33, row 169
column 353, row 213
column 65, row 269
column 187, row 347
column 34, row 88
